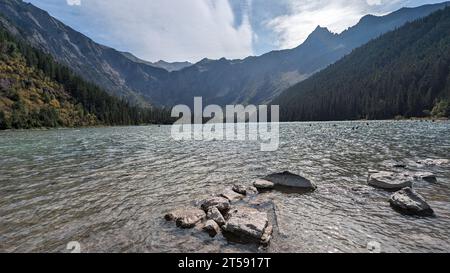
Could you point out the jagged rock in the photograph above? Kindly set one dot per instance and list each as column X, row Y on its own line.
column 212, row 228
column 409, row 202
column 427, row 176
column 186, row 217
column 221, row 203
column 214, row 214
column 247, row 224
column 434, row 162
column 261, row 184
column 390, row 180
column 241, row 189
column 232, row 195
column 288, row 179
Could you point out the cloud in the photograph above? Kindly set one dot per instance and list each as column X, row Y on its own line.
column 304, row 16
column 73, row 2
column 171, row 30
column 177, row 30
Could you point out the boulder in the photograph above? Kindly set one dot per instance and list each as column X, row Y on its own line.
column 261, row 184
column 409, row 202
column 248, row 225
column 232, row 195
column 212, row 228
column 434, row 162
column 390, row 180
column 221, row 203
column 214, row 214
column 186, row 217
column 288, row 179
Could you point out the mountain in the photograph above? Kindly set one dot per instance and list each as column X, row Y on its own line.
column 256, row 80
column 99, row 64
column 169, row 66
column 405, row 72
column 174, row 66
column 252, row 80
column 35, row 91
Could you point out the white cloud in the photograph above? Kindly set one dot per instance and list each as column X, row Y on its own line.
column 171, row 30
column 305, row 15
column 73, row 2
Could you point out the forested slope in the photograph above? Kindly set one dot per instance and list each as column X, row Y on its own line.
column 35, row 91
column 405, row 72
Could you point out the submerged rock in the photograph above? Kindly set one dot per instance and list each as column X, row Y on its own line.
column 394, row 164
column 248, row 225
column 288, row 179
column 186, row 217
column 212, row 228
column 261, row 184
column 409, row 202
column 434, row 162
column 214, row 214
column 221, row 203
column 251, row 190
column 390, row 180
column 241, row 189
column 232, row 196
column 427, row 176
column 362, row 189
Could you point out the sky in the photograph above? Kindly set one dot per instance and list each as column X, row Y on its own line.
column 190, row 30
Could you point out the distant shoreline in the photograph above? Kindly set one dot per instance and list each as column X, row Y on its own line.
column 281, row 122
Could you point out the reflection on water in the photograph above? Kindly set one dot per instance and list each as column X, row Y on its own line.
column 108, row 188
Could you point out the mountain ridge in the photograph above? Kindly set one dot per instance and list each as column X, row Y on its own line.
column 405, row 72
column 253, row 80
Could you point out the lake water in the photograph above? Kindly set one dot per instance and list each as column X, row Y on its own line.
column 108, row 188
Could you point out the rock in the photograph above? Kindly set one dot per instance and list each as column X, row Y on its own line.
column 409, row 202
column 214, row 214
column 240, row 189
column 252, row 190
column 288, row 179
column 221, row 203
column 248, row 225
column 261, row 184
column 267, row 235
column 232, row 195
column 362, row 189
column 186, row 217
column 427, row 176
column 394, row 164
column 434, row 162
column 390, row 180
column 212, row 228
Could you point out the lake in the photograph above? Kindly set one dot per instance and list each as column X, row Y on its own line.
column 109, row 188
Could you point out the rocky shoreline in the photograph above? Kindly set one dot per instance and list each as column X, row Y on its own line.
column 235, row 212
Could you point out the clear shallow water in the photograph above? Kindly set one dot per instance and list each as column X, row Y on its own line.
column 108, row 188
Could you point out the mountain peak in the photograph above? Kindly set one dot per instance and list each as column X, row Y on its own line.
column 320, row 29
column 320, row 34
